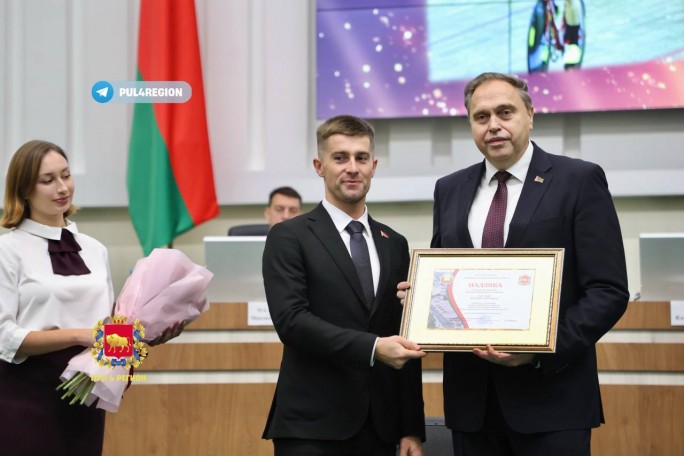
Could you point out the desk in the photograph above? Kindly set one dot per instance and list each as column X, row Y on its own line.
column 209, row 392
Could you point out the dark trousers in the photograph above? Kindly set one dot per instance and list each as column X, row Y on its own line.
column 496, row 438
column 366, row 442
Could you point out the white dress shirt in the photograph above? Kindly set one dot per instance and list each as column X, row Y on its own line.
column 487, row 189
column 33, row 298
column 341, row 219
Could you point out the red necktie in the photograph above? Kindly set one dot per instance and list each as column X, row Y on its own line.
column 493, row 234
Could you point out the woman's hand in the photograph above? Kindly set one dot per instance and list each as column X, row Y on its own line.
column 168, row 334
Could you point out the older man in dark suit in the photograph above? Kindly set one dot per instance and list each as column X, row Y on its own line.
column 518, row 403
column 347, row 385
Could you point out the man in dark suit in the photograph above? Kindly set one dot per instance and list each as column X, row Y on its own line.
column 347, row 384
column 518, row 403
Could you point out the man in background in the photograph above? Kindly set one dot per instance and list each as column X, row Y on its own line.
column 284, row 203
column 348, row 385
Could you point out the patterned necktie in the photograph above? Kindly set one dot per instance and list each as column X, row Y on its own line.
column 361, row 258
column 493, row 234
column 64, row 256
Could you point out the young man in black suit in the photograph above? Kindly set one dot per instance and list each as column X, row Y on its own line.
column 347, row 384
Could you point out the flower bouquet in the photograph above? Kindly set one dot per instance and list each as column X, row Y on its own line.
column 164, row 290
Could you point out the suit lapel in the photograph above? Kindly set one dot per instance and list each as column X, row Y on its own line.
column 324, row 229
column 538, row 179
column 383, row 247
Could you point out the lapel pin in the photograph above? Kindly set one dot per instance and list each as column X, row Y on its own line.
column 539, row 179
column 383, row 234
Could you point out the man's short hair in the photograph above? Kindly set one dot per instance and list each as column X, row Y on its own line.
column 344, row 125
column 286, row 191
column 513, row 80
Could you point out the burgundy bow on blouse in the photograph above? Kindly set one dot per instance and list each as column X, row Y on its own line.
column 65, row 257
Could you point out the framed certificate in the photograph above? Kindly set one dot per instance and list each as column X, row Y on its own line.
column 461, row 299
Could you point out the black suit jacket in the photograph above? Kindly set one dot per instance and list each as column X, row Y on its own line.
column 565, row 203
column 326, row 385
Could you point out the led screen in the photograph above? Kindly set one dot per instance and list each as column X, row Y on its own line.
column 392, row 59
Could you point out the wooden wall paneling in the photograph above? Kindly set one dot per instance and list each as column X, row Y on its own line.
column 640, row 357
column 141, row 426
column 267, row 355
column 225, row 315
column 641, row 420
column 432, row 396
column 647, row 315
column 207, row 420
column 639, row 315
column 228, row 418
column 433, row 361
column 616, row 357
column 214, row 356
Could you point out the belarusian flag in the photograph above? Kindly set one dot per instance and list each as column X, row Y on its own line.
column 170, row 178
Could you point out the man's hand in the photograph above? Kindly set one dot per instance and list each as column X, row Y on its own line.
column 395, row 351
column 504, row 359
column 401, row 291
column 410, row 446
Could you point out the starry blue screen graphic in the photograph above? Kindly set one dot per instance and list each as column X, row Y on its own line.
column 412, row 58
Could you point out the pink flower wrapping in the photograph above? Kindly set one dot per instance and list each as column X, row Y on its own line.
column 166, row 287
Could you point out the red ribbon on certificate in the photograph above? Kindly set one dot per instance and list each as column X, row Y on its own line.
column 452, row 300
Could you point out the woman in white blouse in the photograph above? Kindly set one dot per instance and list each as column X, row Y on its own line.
column 55, row 285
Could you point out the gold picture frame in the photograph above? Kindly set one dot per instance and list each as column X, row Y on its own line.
column 461, row 299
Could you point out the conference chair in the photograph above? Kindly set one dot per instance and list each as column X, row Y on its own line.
column 437, row 437
column 260, row 229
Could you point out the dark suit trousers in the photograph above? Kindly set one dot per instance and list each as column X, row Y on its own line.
column 365, row 443
column 496, row 438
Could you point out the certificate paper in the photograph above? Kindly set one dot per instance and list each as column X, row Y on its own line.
column 461, row 299
column 481, row 299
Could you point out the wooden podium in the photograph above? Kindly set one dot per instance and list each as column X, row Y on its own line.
column 210, row 393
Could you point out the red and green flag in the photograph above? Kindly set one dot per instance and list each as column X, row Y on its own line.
column 170, row 178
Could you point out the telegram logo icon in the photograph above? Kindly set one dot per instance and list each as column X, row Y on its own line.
column 102, row 91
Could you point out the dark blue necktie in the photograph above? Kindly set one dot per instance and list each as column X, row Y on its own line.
column 361, row 258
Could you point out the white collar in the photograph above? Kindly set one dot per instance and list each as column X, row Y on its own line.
column 46, row 231
column 519, row 168
column 341, row 219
